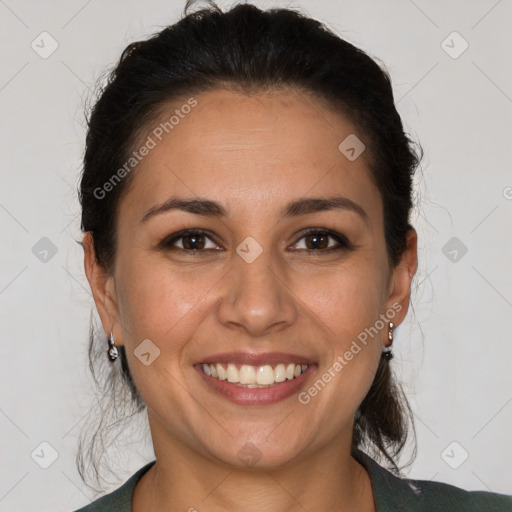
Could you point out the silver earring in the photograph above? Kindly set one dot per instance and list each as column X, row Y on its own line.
column 112, row 351
column 387, row 353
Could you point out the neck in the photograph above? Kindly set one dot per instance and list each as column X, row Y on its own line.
column 182, row 479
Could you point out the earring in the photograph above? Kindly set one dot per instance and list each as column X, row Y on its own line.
column 387, row 354
column 112, row 351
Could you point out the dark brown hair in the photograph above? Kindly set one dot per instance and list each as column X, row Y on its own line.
column 247, row 49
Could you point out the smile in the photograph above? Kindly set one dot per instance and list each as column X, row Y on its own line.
column 255, row 384
column 250, row 376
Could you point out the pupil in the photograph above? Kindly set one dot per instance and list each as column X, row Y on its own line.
column 316, row 238
column 194, row 243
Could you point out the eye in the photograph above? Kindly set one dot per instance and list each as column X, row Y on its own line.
column 317, row 241
column 191, row 240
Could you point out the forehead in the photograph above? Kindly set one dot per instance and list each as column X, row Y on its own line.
column 261, row 149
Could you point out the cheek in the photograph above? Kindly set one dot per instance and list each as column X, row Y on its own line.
column 347, row 299
column 153, row 298
column 158, row 305
column 348, row 304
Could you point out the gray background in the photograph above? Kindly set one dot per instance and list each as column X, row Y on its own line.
column 454, row 351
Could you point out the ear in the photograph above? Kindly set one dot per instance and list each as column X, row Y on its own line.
column 103, row 289
column 401, row 277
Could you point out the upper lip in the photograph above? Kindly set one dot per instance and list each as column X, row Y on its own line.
column 256, row 358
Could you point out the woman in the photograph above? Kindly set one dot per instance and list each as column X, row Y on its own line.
column 246, row 195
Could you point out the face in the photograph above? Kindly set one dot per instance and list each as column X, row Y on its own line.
column 262, row 286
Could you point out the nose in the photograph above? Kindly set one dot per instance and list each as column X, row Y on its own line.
column 258, row 300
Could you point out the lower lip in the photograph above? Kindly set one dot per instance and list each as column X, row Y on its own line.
column 256, row 396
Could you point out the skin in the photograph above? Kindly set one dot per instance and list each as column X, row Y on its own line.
column 253, row 154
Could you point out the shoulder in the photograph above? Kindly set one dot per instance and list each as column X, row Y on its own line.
column 393, row 493
column 441, row 496
column 119, row 500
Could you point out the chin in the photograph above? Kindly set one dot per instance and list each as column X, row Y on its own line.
column 252, row 454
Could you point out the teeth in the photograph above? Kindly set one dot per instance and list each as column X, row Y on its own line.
column 247, row 375
column 255, row 376
column 265, row 375
column 232, row 373
column 280, row 372
column 221, row 372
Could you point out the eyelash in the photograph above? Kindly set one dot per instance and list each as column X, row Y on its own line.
column 343, row 243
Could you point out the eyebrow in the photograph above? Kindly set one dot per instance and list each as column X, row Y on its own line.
column 303, row 206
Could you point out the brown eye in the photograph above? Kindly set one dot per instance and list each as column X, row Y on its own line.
column 318, row 241
column 315, row 242
column 191, row 240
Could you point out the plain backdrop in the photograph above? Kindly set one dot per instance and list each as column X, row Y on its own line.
column 454, row 352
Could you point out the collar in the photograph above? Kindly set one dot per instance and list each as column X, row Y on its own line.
column 389, row 490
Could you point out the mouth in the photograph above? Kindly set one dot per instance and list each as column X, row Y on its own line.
column 254, row 376
column 250, row 379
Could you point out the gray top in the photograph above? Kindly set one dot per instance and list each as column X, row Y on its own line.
column 391, row 493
